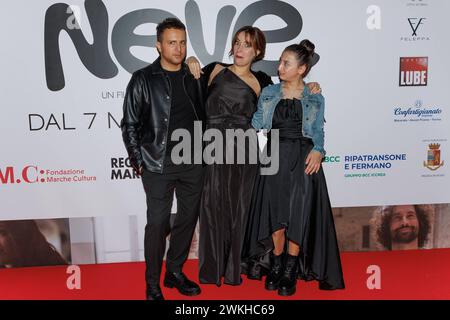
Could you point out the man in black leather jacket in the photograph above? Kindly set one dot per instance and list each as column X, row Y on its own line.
column 161, row 98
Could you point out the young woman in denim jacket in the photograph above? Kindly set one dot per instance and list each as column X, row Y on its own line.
column 291, row 221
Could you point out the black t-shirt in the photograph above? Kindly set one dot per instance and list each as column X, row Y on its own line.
column 181, row 113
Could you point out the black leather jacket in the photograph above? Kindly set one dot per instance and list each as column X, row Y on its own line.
column 146, row 114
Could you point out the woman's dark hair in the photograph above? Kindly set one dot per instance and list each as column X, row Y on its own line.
column 257, row 39
column 31, row 247
column 168, row 23
column 304, row 52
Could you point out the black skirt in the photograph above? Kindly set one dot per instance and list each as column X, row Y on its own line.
column 298, row 202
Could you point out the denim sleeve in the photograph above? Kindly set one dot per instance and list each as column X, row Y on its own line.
column 318, row 131
column 257, row 120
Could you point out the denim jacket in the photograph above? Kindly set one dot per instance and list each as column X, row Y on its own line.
column 313, row 106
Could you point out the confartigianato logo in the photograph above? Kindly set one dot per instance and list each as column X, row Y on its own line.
column 32, row 174
column 417, row 112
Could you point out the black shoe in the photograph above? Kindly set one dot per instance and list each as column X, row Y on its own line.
column 288, row 282
column 276, row 272
column 326, row 286
column 254, row 271
column 154, row 293
column 182, row 283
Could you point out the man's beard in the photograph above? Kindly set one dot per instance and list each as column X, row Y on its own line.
column 405, row 237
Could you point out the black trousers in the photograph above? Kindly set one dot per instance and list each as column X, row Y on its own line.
column 159, row 188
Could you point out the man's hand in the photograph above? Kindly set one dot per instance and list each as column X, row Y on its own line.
column 139, row 171
column 313, row 162
column 314, row 87
column 194, row 67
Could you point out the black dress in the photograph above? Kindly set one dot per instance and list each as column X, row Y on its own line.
column 296, row 201
column 227, row 188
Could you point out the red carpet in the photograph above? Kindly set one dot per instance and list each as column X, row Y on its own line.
column 418, row 274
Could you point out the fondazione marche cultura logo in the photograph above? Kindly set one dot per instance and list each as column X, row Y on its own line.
column 32, row 174
column 433, row 161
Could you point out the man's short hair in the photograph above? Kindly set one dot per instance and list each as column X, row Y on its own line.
column 168, row 23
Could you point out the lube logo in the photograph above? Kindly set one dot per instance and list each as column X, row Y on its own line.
column 96, row 56
column 413, row 71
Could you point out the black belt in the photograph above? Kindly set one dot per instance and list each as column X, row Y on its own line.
column 228, row 120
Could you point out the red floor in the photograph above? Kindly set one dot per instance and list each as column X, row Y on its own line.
column 418, row 274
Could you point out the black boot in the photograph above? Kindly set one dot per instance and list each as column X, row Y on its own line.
column 276, row 272
column 289, row 279
column 154, row 293
column 182, row 283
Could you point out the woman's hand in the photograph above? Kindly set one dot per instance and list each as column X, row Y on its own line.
column 314, row 87
column 313, row 162
column 194, row 67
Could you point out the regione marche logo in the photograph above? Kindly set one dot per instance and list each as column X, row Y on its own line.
column 413, row 71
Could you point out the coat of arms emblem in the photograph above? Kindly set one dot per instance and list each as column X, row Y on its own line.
column 433, row 157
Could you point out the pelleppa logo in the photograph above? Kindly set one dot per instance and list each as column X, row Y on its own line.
column 415, row 24
column 416, row 32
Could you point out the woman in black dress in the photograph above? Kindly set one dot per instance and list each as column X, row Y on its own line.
column 291, row 219
column 233, row 92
